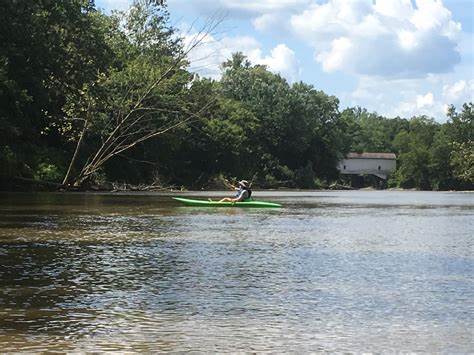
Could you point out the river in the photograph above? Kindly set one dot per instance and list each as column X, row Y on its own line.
column 357, row 271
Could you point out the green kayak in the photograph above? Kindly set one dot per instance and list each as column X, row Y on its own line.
column 203, row 203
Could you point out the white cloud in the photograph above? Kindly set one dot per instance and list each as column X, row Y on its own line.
column 422, row 105
column 431, row 14
column 407, row 39
column 282, row 60
column 335, row 58
column 391, row 8
column 388, row 38
column 454, row 91
column 267, row 21
column 411, row 97
column 207, row 58
column 241, row 8
column 460, row 91
column 424, row 100
column 260, row 6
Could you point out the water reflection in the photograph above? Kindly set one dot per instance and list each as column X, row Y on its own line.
column 334, row 272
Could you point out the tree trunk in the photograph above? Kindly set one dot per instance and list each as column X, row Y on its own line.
column 74, row 157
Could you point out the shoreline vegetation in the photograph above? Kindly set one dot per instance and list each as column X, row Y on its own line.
column 92, row 101
column 31, row 185
column 218, row 184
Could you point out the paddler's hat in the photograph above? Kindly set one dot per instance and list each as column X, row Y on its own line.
column 244, row 183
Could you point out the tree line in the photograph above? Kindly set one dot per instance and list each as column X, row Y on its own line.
column 87, row 97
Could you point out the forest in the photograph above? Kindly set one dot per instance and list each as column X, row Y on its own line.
column 93, row 99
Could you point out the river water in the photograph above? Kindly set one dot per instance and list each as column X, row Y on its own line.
column 359, row 271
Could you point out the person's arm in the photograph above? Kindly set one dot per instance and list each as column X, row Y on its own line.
column 229, row 185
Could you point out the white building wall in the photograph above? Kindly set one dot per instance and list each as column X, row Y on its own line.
column 367, row 166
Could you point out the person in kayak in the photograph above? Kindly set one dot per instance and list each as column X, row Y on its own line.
column 243, row 192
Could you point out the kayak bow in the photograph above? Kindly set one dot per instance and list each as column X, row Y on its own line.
column 203, row 203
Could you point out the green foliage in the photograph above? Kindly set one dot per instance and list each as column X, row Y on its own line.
column 462, row 160
column 461, row 128
column 48, row 50
column 145, row 92
column 48, row 172
column 371, row 132
column 304, row 177
column 8, row 163
column 414, row 149
column 296, row 124
column 430, row 155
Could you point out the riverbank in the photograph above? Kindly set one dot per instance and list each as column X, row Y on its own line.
column 31, row 185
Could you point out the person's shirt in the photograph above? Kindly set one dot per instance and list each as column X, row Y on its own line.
column 242, row 194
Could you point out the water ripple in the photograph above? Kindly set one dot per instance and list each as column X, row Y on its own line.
column 335, row 272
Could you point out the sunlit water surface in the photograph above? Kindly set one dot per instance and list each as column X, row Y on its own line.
column 330, row 271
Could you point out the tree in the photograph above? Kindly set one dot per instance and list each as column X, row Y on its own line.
column 298, row 127
column 461, row 127
column 48, row 50
column 143, row 97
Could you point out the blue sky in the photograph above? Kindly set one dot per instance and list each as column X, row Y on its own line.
column 396, row 57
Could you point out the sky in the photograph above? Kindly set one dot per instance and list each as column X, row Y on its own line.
column 394, row 57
